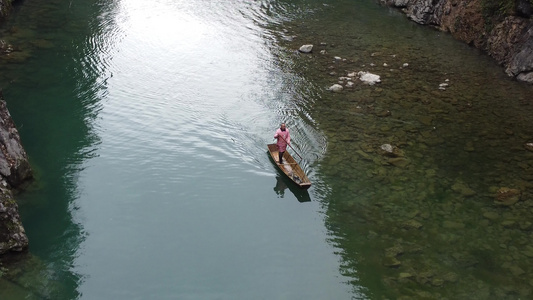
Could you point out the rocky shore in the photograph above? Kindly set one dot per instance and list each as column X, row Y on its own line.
column 14, row 172
column 5, row 6
column 502, row 28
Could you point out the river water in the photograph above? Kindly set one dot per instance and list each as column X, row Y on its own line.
column 147, row 122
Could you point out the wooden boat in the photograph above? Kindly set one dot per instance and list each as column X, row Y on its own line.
column 289, row 167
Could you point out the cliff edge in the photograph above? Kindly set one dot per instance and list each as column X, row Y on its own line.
column 502, row 28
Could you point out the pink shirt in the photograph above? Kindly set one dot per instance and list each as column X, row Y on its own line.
column 280, row 135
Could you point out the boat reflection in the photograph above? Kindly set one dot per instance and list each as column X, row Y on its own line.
column 283, row 183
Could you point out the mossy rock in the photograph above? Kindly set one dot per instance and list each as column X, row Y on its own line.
column 507, row 196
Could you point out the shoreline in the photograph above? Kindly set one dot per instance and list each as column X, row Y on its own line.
column 506, row 36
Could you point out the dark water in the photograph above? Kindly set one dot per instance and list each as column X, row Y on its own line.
column 146, row 123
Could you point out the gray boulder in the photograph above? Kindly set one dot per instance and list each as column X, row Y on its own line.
column 521, row 64
column 306, row 49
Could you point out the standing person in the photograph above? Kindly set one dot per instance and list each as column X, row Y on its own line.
column 284, row 139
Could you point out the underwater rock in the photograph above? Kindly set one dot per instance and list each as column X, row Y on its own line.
column 453, row 225
column 399, row 162
column 507, row 197
column 529, row 146
column 411, row 224
column 426, row 120
column 465, row 260
column 437, row 282
column 508, row 223
column 392, row 151
column 450, row 277
column 516, row 271
column 369, row 78
column 391, row 262
column 464, row 190
column 306, row 48
column 394, row 251
column 387, row 148
column 363, row 155
column 335, row 88
column 491, row 215
column 383, row 113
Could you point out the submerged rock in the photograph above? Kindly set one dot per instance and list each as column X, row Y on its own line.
column 507, row 197
column 463, row 189
column 336, row 88
column 411, row 224
column 391, row 151
column 453, row 225
column 306, row 48
column 391, row 262
column 387, row 148
column 491, row 216
column 369, row 78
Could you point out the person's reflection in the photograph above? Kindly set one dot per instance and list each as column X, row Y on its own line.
column 280, row 187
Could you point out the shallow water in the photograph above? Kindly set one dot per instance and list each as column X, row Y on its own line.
column 147, row 125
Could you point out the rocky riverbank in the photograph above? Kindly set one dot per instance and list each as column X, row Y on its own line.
column 14, row 172
column 502, row 28
column 5, row 6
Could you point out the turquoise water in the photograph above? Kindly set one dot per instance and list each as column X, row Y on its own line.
column 147, row 125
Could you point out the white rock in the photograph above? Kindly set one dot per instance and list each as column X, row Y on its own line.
column 349, row 84
column 336, row 88
column 372, row 64
column 338, row 58
column 306, row 48
column 387, row 148
column 443, row 85
column 369, row 78
column 323, row 52
column 385, row 65
column 405, row 65
column 352, row 74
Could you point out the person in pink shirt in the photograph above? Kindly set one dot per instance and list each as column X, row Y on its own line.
column 284, row 139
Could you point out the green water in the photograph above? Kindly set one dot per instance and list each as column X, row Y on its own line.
column 147, row 125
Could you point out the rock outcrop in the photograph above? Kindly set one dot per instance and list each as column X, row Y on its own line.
column 14, row 172
column 5, row 6
column 502, row 28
